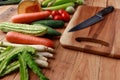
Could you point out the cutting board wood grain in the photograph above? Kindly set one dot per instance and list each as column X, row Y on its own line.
column 102, row 38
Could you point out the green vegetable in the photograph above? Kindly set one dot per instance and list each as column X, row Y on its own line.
column 62, row 6
column 13, row 66
column 25, row 57
column 9, row 2
column 31, row 63
column 70, row 9
column 40, row 48
column 51, row 23
column 4, row 64
column 51, row 32
column 23, row 28
column 80, row 2
column 5, row 52
column 46, row 2
column 23, row 67
column 6, row 61
column 13, row 54
column 60, row 2
column 2, row 49
column 50, row 3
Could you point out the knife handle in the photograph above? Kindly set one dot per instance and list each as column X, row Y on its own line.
column 105, row 11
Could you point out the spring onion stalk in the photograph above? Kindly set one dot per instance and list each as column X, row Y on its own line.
column 45, row 54
column 41, row 63
column 40, row 57
column 37, row 47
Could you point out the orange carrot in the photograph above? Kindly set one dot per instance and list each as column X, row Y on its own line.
column 30, row 17
column 21, row 38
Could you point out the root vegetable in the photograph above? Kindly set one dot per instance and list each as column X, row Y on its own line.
column 20, row 38
column 30, row 17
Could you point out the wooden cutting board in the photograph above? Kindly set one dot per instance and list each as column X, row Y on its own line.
column 102, row 38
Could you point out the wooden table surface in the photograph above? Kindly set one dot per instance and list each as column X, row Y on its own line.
column 69, row 64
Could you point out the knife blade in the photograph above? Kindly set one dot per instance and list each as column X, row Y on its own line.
column 94, row 19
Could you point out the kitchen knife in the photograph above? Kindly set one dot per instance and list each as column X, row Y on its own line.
column 94, row 19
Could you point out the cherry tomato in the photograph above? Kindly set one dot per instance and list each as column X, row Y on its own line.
column 61, row 11
column 57, row 17
column 54, row 12
column 65, row 16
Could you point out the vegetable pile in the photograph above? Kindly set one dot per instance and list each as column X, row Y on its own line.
column 28, row 35
column 61, row 9
column 14, row 56
column 59, row 4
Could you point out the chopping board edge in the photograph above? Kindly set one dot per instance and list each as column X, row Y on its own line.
column 64, row 42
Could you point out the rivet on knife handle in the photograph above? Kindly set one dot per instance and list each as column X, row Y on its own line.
column 106, row 10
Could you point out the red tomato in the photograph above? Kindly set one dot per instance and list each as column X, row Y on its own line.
column 61, row 11
column 57, row 17
column 55, row 12
column 65, row 16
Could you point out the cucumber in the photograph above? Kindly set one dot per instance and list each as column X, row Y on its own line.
column 23, row 28
column 51, row 23
column 50, row 31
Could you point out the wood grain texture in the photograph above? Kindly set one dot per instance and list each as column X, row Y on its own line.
column 75, row 65
column 101, row 38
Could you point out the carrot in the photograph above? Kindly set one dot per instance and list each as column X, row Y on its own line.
column 30, row 17
column 21, row 38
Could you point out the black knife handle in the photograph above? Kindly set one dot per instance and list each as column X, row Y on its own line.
column 106, row 10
